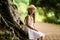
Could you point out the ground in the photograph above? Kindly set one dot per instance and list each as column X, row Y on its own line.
column 51, row 31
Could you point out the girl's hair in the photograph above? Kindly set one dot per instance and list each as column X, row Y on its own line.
column 32, row 7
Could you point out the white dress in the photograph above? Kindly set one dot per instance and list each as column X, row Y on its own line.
column 33, row 35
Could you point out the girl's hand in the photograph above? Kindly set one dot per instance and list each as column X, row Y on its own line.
column 36, row 30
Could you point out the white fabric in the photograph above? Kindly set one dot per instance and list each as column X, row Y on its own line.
column 32, row 33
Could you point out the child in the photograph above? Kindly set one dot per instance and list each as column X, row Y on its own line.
column 33, row 33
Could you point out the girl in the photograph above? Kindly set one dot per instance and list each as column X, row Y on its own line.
column 33, row 33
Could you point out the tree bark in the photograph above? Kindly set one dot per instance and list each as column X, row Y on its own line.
column 9, row 19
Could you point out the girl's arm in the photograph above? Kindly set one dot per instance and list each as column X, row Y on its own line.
column 27, row 23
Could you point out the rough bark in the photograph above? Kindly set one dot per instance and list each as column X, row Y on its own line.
column 9, row 22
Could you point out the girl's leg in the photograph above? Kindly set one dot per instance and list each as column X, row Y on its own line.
column 33, row 39
column 41, row 38
column 38, row 39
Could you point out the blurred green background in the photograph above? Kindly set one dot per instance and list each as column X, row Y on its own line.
column 47, row 10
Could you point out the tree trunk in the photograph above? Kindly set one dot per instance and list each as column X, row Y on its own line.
column 9, row 21
column 45, row 12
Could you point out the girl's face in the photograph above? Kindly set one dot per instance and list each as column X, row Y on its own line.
column 31, row 11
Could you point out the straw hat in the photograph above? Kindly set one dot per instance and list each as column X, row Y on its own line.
column 31, row 7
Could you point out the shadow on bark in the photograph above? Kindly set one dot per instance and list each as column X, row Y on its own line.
column 9, row 20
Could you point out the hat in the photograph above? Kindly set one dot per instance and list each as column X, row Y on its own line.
column 31, row 7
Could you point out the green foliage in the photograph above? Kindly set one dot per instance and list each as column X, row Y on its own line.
column 17, row 2
column 46, row 9
column 50, row 10
column 0, row 4
column 22, row 5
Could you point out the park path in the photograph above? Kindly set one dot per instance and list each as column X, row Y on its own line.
column 51, row 31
